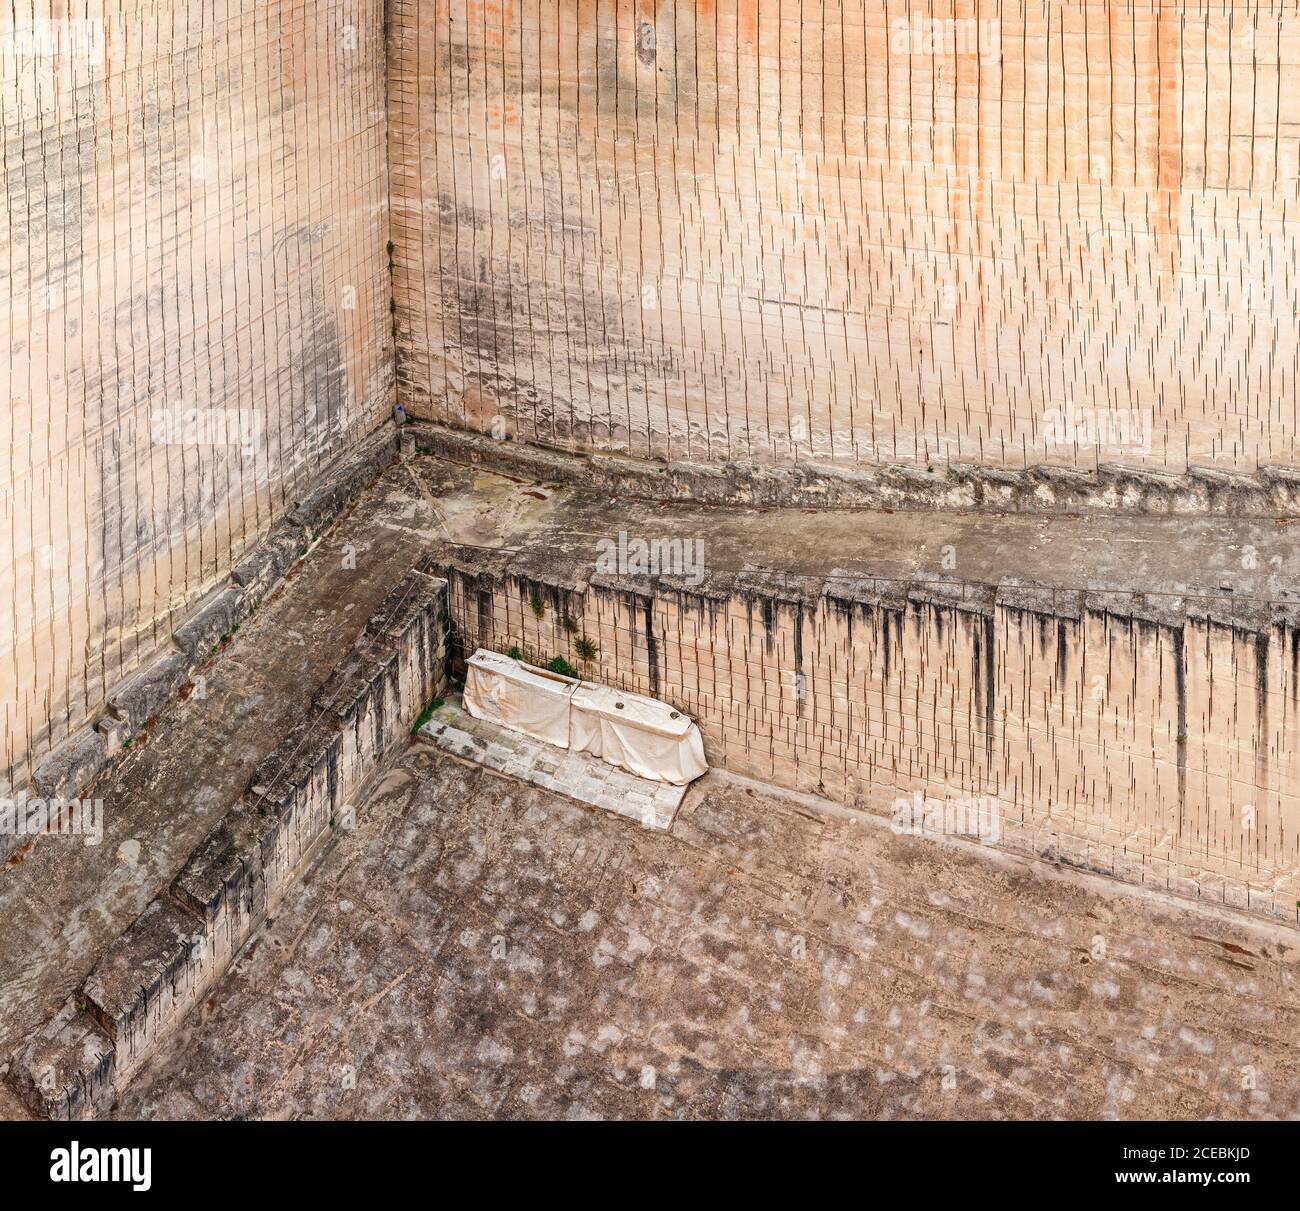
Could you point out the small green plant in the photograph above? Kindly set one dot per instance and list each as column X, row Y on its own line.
column 537, row 605
column 515, row 654
column 570, row 624
column 563, row 667
column 585, row 648
column 425, row 715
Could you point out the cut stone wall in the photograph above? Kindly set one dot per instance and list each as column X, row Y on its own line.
column 1155, row 739
column 159, row 968
column 194, row 315
column 852, row 231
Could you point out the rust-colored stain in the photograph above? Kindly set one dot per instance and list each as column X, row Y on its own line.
column 1169, row 151
column 747, row 14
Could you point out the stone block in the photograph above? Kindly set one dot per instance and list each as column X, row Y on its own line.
column 227, row 868
column 66, row 1071
column 145, row 694
column 217, row 618
column 72, row 766
column 145, row 980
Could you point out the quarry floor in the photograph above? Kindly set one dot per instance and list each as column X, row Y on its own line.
column 995, row 988
column 477, row 947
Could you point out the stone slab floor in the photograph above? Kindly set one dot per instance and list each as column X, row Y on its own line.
column 479, row 947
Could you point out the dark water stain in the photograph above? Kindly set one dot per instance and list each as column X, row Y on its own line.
column 484, row 602
column 1295, row 661
column 1180, row 691
column 985, row 690
column 801, row 681
column 651, row 646
column 1262, row 647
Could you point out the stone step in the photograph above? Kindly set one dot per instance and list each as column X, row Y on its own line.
column 580, row 776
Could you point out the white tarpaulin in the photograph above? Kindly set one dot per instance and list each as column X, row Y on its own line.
column 642, row 735
column 518, row 696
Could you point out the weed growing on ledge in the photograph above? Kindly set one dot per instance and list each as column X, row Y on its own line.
column 425, row 715
column 585, row 648
column 563, row 667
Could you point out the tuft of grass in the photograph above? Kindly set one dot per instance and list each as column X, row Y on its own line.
column 585, row 648
column 537, row 605
column 563, row 667
column 570, row 624
column 425, row 715
column 515, row 654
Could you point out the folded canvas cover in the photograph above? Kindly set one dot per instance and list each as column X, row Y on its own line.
column 647, row 737
column 519, row 696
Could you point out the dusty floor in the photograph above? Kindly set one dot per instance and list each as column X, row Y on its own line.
column 478, row 948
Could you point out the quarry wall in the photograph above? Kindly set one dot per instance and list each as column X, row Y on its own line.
column 194, row 314
column 1152, row 738
column 852, row 231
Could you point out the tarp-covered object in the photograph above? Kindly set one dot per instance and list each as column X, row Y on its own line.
column 642, row 735
column 518, row 696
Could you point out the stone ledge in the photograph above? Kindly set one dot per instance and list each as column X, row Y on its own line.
column 144, row 980
column 67, row 1071
column 71, row 766
column 81, row 758
column 1042, row 488
column 145, row 694
column 153, row 973
column 468, row 568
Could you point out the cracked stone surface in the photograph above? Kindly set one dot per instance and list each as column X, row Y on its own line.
column 478, row 947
